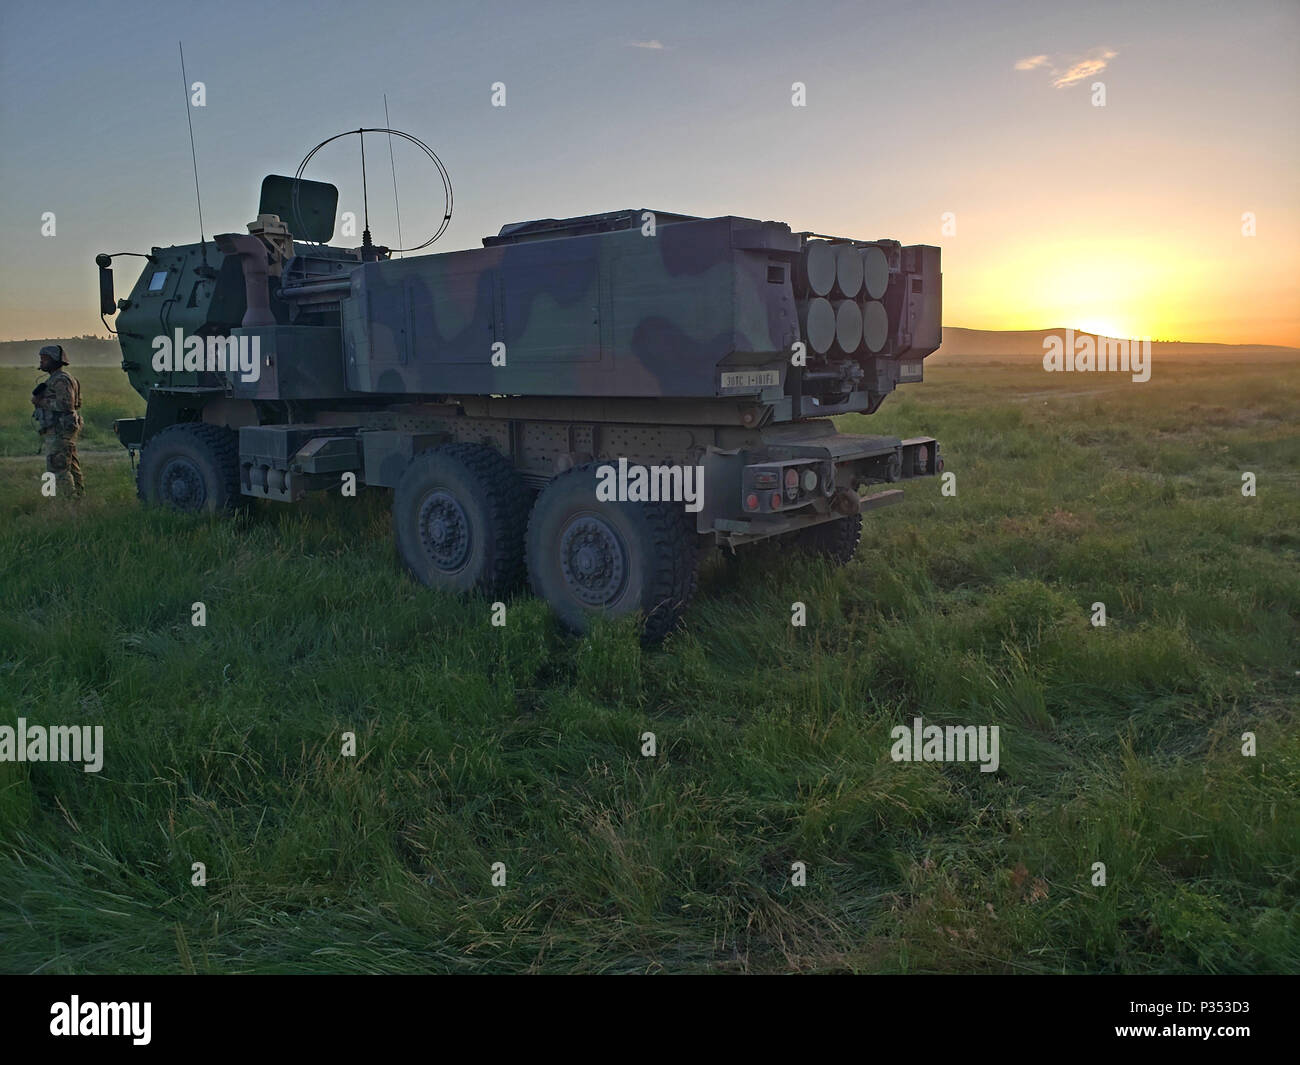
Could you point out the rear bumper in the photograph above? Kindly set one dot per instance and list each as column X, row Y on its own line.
column 743, row 530
column 798, row 481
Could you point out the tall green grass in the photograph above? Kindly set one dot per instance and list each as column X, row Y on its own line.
column 522, row 745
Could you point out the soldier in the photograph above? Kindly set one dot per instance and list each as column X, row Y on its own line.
column 57, row 401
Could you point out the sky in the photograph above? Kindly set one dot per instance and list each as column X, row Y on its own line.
column 971, row 125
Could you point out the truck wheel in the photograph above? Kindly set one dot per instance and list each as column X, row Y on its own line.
column 458, row 518
column 836, row 541
column 191, row 467
column 589, row 558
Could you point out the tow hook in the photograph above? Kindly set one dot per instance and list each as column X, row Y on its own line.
column 845, row 501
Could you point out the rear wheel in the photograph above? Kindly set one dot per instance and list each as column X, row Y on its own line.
column 592, row 559
column 836, row 541
column 458, row 518
column 191, row 467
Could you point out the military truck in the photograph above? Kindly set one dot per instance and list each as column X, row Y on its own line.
column 504, row 393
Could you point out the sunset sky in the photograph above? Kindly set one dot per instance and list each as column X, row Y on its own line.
column 1124, row 219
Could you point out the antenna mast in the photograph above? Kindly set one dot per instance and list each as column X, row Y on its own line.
column 185, row 90
column 396, row 206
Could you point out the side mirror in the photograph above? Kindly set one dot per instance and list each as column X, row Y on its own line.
column 107, row 304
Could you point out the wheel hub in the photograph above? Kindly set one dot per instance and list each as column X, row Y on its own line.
column 593, row 560
column 181, row 485
column 444, row 531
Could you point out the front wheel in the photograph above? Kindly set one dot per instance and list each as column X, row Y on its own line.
column 589, row 558
column 191, row 467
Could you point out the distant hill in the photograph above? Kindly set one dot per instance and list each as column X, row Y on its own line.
column 957, row 342
column 81, row 351
column 1007, row 342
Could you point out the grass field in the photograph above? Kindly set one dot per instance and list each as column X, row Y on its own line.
column 521, row 745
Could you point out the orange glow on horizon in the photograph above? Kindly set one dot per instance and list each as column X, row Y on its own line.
column 1127, row 288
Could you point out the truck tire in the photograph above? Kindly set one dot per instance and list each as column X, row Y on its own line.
column 191, row 467
column 592, row 559
column 458, row 519
column 836, row 541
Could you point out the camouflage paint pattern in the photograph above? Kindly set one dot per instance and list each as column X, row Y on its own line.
column 597, row 307
column 609, row 314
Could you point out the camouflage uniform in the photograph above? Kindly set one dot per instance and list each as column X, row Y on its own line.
column 59, row 421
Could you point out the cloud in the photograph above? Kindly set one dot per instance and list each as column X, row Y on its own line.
column 654, row 45
column 1084, row 68
column 1067, row 70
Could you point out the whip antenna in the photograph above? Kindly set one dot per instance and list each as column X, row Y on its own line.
column 185, row 89
column 365, row 196
column 396, row 206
